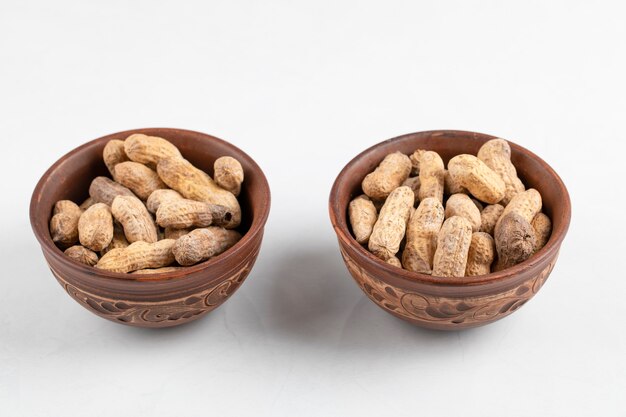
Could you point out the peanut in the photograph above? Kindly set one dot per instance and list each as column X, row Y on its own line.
column 185, row 213
column 453, row 245
column 390, row 227
column 515, row 240
column 414, row 184
column 415, row 161
column 138, row 178
column 450, row 186
column 527, row 204
column 363, row 215
column 171, row 233
column 180, row 175
column 421, row 236
column 104, row 190
column 543, row 228
column 202, row 244
column 82, row 255
column 394, row 261
column 462, row 205
column 388, row 176
column 138, row 255
column 158, row 197
column 119, row 239
column 496, row 154
column 228, row 174
column 149, row 150
column 95, row 227
column 480, row 180
column 135, row 219
column 64, row 223
column 489, row 217
column 431, row 176
column 113, row 154
column 481, row 254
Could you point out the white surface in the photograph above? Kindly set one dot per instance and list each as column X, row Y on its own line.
column 303, row 88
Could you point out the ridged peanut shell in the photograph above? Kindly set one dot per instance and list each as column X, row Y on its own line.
column 480, row 180
column 202, row 244
column 95, row 227
column 138, row 178
column 482, row 252
column 104, row 190
column 453, row 245
column 82, row 255
column 113, row 154
column 363, row 215
column 135, row 219
column 515, row 240
column 390, row 226
column 228, row 174
column 421, row 236
column 64, row 222
column 186, row 213
column 462, row 205
column 158, row 197
column 543, row 229
column 138, row 255
column 149, row 150
column 489, row 217
column 389, row 175
column 496, row 154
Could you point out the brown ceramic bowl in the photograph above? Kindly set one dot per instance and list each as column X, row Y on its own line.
column 449, row 303
column 177, row 297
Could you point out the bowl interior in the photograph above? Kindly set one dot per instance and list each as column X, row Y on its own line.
column 531, row 169
column 70, row 177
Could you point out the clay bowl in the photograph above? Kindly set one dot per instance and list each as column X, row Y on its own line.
column 449, row 303
column 177, row 297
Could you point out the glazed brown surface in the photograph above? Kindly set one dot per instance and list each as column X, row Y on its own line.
column 438, row 302
column 176, row 297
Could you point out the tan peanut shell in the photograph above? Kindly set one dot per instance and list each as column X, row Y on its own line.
column 139, row 255
column 192, row 183
column 431, row 176
column 450, row 186
column 113, row 154
column 119, row 239
column 82, row 254
column 415, row 161
column 394, row 261
column 64, row 222
column 149, row 150
column 171, row 233
column 104, row 190
column 185, row 213
column 515, row 240
column 390, row 226
column 482, row 252
column 414, row 184
column 363, row 215
column 496, row 154
column 158, row 197
column 421, row 236
column 388, row 176
column 228, row 174
column 543, row 228
column 87, row 203
column 138, row 178
column 95, row 227
column 453, row 245
column 489, row 217
column 462, row 205
column 480, row 180
column 135, row 219
column 202, row 244
column 527, row 204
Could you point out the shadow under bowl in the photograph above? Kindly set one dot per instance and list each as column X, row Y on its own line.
column 439, row 302
column 177, row 297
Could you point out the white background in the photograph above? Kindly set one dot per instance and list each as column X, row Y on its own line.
column 303, row 87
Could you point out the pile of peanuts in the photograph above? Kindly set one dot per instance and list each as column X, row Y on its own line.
column 489, row 222
column 159, row 213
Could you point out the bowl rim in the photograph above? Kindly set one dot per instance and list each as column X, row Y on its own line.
column 338, row 218
column 180, row 278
